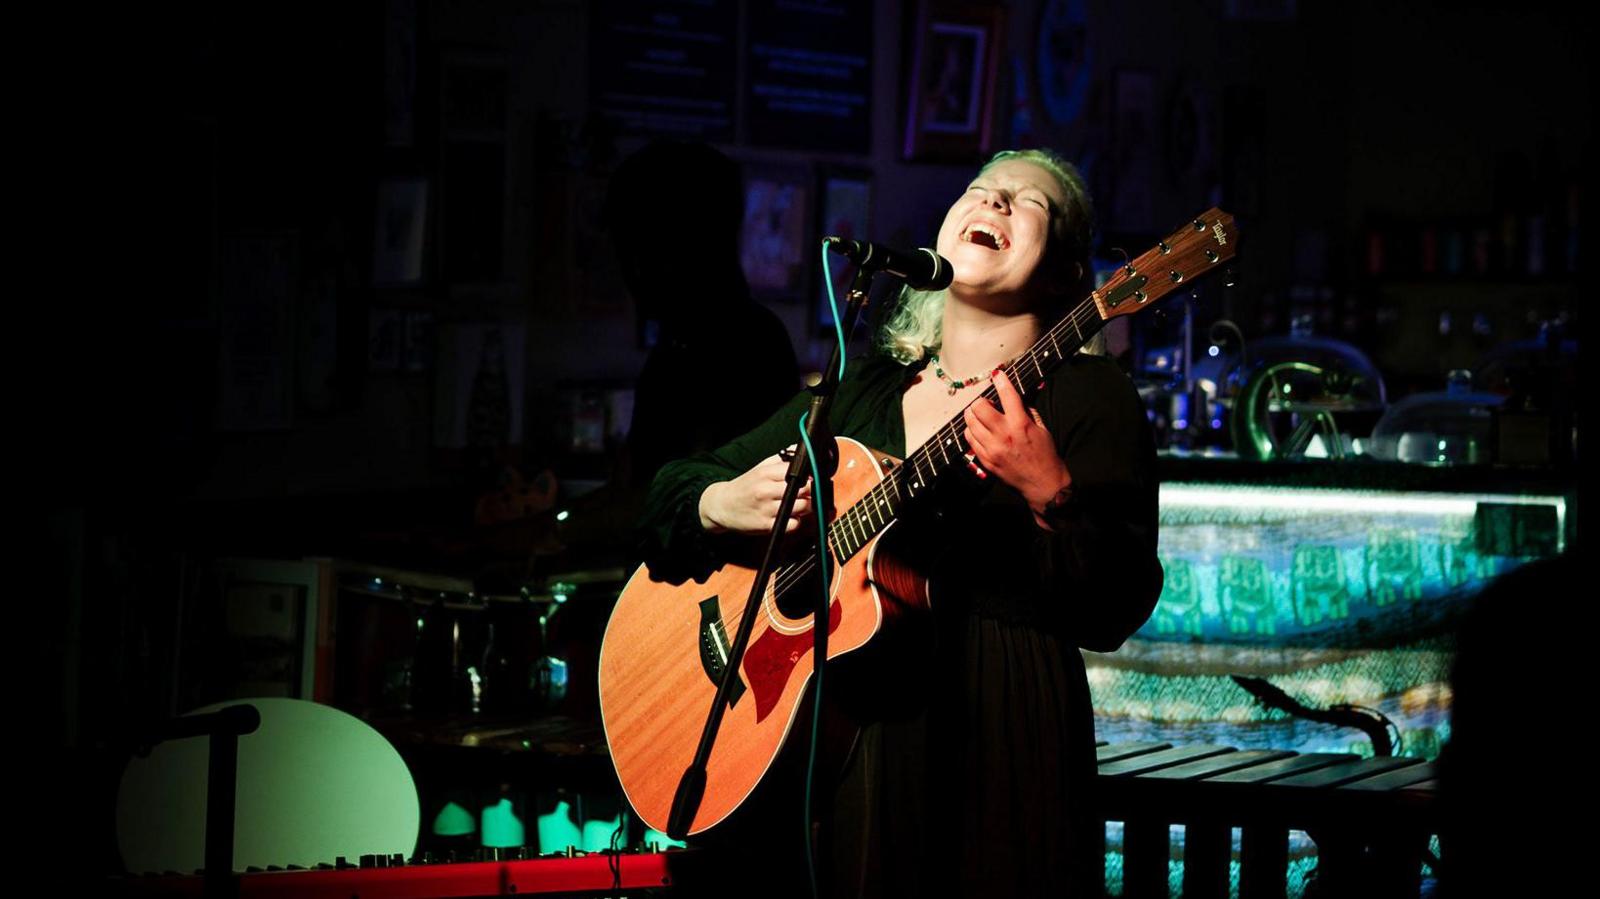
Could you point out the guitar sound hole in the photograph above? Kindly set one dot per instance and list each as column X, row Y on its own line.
column 795, row 593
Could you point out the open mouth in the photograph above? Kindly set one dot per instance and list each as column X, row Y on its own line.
column 985, row 236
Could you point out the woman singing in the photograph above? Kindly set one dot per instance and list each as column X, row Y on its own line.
column 975, row 757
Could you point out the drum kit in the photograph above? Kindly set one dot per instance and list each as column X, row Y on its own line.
column 433, row 647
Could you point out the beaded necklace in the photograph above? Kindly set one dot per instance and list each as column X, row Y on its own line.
column 953, row 385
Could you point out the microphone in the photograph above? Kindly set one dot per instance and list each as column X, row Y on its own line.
column 922, row 269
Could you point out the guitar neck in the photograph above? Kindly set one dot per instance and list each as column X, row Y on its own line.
column 947, row 448
column 1190, row 252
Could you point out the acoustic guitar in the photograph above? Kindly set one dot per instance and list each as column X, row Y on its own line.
column 666, row 646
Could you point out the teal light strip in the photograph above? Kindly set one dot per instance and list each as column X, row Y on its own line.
column 1311, row 500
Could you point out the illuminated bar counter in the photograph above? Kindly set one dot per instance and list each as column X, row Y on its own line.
column 1342, row 583
column 1339, row 582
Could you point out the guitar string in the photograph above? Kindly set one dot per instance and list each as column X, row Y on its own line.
column 951, row 433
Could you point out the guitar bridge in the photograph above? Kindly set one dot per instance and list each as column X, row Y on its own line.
column 714, row 647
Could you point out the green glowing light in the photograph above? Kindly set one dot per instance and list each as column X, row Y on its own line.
column 453, row 821
column 556, row 830
column 563, row 515
column 1313, row 501
column 597, row 833
column 501, row 826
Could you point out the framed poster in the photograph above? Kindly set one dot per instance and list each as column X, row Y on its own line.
column 775, row 246
column 845, row 201
column 951, row 95
column 254, row 627
column 808, row 75
column 1062, row 56
column 668, row 68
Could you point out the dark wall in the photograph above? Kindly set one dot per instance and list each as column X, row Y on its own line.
column 197, row 370
column 232, row 357
column 260, row 138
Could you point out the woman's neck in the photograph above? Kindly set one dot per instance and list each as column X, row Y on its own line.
column 976, row 340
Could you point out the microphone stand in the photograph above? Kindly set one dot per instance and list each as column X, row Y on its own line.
column 692, row 786
column 224, row 727
column 1373, row 724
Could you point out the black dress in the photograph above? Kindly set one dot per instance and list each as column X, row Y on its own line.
column 974, row 770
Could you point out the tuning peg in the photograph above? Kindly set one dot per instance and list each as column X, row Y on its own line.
column 1127, row 265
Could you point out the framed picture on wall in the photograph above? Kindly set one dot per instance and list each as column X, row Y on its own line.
column 775, row 247
column 254, row 627
column 844, row 198
column 951, row 94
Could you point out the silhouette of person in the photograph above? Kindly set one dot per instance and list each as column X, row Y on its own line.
column 1500, row 775
column 722, row 362
column 974, row 771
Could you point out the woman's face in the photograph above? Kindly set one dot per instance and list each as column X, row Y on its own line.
column 997, row 235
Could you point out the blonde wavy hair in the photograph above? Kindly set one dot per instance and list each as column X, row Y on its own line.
column 915, row 327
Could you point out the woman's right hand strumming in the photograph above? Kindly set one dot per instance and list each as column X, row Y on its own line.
column 748, row 504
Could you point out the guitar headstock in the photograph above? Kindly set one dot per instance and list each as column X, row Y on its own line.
column 1187, row 253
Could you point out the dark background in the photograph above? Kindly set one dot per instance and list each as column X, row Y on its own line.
column 208, row 180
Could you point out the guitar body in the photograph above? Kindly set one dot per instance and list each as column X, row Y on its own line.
column 666, row 644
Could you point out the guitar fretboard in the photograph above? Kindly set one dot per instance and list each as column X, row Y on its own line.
column 947, row 448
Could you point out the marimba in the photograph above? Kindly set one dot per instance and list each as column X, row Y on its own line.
column 1371, row 818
